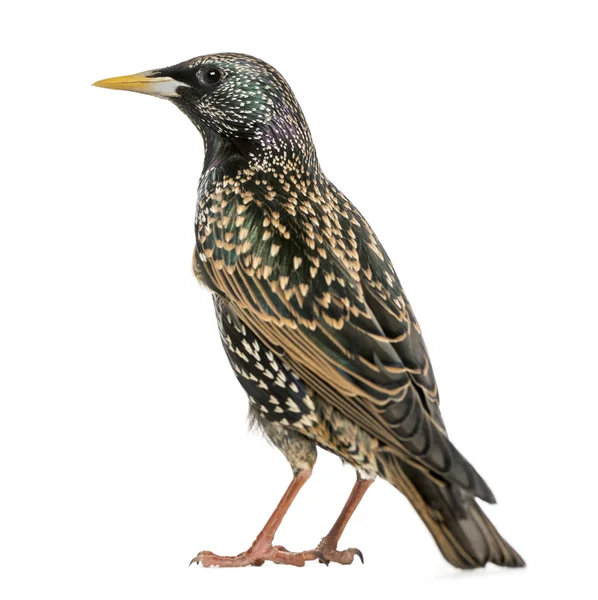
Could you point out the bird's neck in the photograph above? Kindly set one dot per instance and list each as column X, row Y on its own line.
column 268, row 149
column 218, row 150
column 228, row 160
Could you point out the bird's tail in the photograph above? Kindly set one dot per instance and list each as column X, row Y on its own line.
column 464, row 534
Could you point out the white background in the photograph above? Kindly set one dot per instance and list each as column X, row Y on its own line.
column 466, row 132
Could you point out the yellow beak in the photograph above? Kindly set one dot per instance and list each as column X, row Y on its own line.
column 144, row 83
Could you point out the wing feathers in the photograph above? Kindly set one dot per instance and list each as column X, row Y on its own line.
column 343, row 326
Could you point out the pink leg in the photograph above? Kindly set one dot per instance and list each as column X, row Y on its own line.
column 262, row 549
column 326, row 550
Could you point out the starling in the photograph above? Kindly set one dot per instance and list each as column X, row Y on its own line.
column 312, row 316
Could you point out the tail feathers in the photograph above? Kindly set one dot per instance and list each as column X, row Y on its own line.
column 464, row 534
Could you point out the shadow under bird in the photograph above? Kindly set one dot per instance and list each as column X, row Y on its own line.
column 312, row 316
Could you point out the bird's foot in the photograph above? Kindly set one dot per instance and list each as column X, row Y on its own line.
column 256, row 556
column 326, row 553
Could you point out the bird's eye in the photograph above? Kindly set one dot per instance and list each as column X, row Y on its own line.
column 212, row 76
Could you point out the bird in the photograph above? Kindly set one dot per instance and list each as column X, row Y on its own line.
column 312, row 316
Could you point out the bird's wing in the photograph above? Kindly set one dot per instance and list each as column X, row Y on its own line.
column 389, row 305
column 312, row 299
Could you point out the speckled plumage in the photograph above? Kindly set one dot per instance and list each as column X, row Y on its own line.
column 311, row 313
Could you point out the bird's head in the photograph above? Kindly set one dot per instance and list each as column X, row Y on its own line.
column 236, row 101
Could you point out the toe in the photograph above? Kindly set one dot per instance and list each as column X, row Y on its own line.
column 198, row 560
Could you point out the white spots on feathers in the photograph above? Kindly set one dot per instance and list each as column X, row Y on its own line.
column 309, row 402
column 281, row 379
column 243, row 106
column 273, row 388
column 292, row 406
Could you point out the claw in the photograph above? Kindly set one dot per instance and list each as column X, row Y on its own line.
column 358, row 553
column 322, row 558
column 197, row 559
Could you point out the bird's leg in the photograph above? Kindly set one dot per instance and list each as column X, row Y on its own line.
column 326, row 550
column 262, row 549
